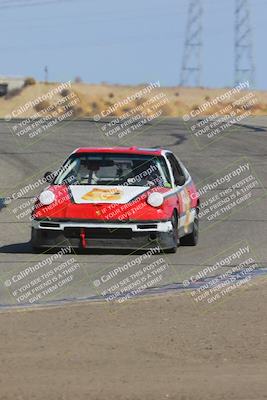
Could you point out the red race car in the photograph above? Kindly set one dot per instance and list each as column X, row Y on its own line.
column 122, row 197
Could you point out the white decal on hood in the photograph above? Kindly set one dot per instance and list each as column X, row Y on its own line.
column 85, row 194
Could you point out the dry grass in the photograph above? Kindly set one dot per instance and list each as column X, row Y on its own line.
column 96, row 98
column 42, row 106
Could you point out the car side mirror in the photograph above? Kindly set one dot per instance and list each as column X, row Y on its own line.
column 48, row 176
column 180, row 181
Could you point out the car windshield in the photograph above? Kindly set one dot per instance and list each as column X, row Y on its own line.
column 114, row 169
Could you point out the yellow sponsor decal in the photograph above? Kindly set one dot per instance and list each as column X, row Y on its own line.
column 103, row 194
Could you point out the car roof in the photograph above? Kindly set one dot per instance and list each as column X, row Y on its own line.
column 121, row 150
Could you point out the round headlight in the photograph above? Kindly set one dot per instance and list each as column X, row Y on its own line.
column 47, row 197
column 155, row 199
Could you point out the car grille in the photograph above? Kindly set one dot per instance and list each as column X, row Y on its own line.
column 99, row 233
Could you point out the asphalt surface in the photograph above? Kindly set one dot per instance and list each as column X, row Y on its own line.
column 23, row 162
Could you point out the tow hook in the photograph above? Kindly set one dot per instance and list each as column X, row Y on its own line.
column 83, row 238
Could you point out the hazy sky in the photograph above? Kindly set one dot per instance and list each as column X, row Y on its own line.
column 122, row 41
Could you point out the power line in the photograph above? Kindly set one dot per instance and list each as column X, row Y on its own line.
column 30, row 3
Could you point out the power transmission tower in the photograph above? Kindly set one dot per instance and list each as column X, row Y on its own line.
column 244, row 63
column 192, row 65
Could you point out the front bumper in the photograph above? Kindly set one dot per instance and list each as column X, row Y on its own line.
column 116, row 235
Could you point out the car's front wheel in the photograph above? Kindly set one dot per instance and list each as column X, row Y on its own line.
column 35, row 247
column 175, row 236
column 192, row 238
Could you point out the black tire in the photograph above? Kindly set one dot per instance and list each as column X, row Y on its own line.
column 174, row 221
column 192, row 238
column 35, row 248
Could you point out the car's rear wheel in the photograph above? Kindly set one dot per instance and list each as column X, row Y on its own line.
column 192, row 238
column 175, row 236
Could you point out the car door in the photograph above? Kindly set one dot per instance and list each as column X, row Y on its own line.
column 182, row 192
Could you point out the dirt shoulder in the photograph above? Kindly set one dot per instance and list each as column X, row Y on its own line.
column 155, row 348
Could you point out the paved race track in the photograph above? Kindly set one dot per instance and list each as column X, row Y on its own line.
column 22, row 164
